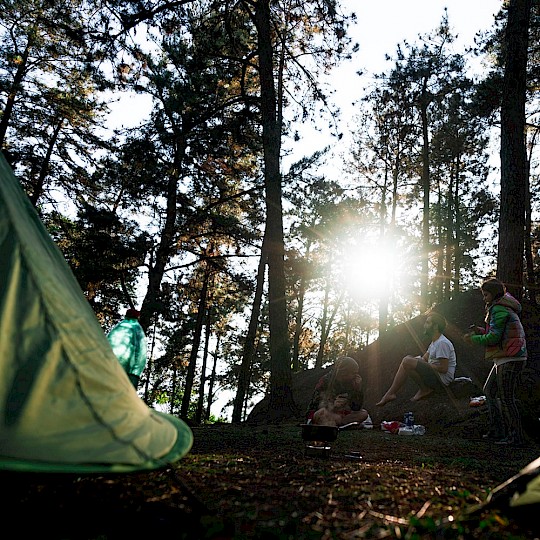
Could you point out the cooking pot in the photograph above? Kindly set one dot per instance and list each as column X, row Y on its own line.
column 314, row 432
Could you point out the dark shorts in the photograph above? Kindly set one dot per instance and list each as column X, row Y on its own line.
column 428, row 375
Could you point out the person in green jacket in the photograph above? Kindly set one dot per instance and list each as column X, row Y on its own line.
column 504, row 340
column 128, row 342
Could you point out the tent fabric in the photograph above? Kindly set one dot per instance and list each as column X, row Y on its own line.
column 66, row 403
column 523, row 488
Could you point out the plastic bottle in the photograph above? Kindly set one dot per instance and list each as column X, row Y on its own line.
column 412, row 430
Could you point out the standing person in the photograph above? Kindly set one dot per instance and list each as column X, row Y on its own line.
column 338, row 397
column 434, row 370
column 128, row 342
column 504, row 340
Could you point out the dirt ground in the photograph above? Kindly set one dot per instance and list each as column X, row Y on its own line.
column 256, row 482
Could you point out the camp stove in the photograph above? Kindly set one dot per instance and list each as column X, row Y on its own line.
column 318, row 438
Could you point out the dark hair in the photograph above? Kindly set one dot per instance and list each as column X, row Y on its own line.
column 438, row 320
column 132, row 314
column 495, row 287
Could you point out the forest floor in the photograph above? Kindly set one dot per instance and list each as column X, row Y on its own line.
column 242, row 482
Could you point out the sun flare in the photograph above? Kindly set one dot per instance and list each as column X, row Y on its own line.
column 369, row 272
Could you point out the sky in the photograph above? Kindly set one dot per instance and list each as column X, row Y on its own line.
column 382, row 25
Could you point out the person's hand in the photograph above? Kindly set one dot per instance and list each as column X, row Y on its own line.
column 467, row 338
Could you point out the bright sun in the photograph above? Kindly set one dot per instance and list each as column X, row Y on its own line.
column 368, row 272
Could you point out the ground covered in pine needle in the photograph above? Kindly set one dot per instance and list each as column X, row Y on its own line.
column 256, row 482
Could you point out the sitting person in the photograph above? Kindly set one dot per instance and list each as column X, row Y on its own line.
column 128, row 342
column 434, row 370
column 338, row 396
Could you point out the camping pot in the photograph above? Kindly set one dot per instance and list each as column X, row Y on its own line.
column 314, row 432
column 318, row 438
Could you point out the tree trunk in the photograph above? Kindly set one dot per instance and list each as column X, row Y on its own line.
column 190, row 376
column 200, row 402
column 299, row 316
column 44, row 168
column 249, row 344
column 513, row 150
column 424, row 277
column 212, row 379
column 165, row 247
column 12, row 96
column 532, row 288
column 281, row 401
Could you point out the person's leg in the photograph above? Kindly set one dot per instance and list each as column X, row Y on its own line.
column 325, row 417
column 407, row 366
column 353, row 416
column 507, row 378
column 427, row 379
column 491, row 391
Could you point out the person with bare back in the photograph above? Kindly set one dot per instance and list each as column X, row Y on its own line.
column 338, row 396
column 434, row 370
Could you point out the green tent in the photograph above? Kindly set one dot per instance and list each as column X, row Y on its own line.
column 66, row 404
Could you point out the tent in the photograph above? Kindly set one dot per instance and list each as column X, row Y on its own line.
column 66, row 404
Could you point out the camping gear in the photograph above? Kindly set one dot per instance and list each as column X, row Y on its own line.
column 318, row 438
column 66, row 404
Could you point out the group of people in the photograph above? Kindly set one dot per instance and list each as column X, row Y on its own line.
column 338, row 396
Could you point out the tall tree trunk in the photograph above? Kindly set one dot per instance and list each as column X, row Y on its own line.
column 449, row 252
column 12, row 96
column 190, row 376
column 322, row 342
column 513, row 149
column 457, row 243
column 424, row 277
column 166, row 242
column 200, row 401
column 531, row 285
column 326, row 325
column 299, row 315
column 212, row 379
column 37, row 190
column 248, row 352
column 281, row 401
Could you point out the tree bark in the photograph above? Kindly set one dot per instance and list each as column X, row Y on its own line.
column 281, row 401
column 249, row 344
column 513, row 150
column 190, row 376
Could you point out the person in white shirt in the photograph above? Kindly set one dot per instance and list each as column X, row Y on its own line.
column 435, row 369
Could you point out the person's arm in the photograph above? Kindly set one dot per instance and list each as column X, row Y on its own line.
column 357, row 396
column 440, row 365
column 314, row 404
column 425, row 357
column 494, row 334
column 441, row 355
